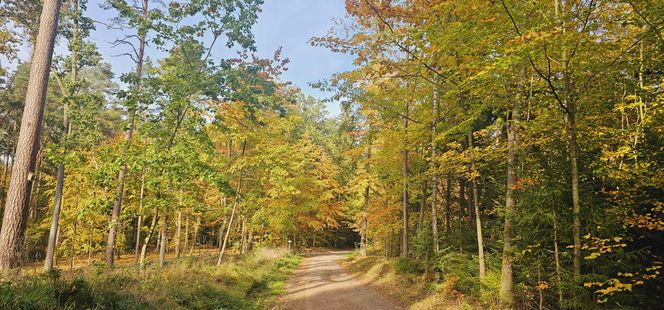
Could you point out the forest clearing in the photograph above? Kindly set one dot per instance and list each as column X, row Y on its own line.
column 331, row 154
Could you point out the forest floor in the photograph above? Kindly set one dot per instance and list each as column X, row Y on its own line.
column 322, row 283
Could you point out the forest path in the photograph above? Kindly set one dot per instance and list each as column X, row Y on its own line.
column 321, row 283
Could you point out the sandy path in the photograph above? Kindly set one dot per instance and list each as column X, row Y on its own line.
column 321, row 283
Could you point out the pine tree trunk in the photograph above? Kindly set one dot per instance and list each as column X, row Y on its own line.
column 119, row 191
column 18, row 198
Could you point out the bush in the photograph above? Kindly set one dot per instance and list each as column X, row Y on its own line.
column 407, row 266
column 461, row 273
column 463, row 269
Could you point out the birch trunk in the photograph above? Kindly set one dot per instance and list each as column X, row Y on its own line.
column 476, row 205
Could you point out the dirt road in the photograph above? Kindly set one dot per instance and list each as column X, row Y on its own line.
column 321, row 283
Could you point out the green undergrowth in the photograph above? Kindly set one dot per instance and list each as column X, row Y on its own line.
column 252, row 282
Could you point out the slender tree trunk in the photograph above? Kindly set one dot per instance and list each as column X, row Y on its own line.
column 404, row 235
column 556, row 257
column 146, row 242
column 178, row 229
column 178, row 235
column 90, row 236
column 250, row 241
column 59, row 187
column 139, row 224
column 448, row 202
column 434, row 176
column 194, row 240
column 365, row 215
column 462, row 199
column 50, row 250
column 8, row 154
column 164, row 241
column 476, row 205
column 365, row 221
column 36, row 186
column 423, row 202
column 186, row 231
column 576, row 208
column 228, row 231
column 119, row 191
column 243, row 231
column 72, row 247
column 18, row 198
column 506, row 281
column 223, row 224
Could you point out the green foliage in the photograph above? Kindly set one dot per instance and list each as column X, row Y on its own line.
column 404, row 265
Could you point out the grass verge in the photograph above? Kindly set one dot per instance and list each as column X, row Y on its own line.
column 252, row 282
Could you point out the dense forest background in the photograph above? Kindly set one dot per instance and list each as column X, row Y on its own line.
column 509, row 150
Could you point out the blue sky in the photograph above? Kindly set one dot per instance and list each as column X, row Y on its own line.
column 282, row 23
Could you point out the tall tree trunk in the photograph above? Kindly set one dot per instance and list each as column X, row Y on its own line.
column 434, row 176
column 476, row 205
column 185, row 246
column 164, row 241
column 194, row 240
column 178, row 235
column 576, row 208
column 365, row 215
column 462, row 199
column 119, row 191
column 243, row 232
column 250, row 241
column 139, row 223
column 228, row 231
column 404, row 235
column 18, row 198
column 506, row 281
column 178, row 229
column 423, row 202
column 365, row 221
column 448, row 202
column 556, row 257
column 59, row 187
column 50, row 250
